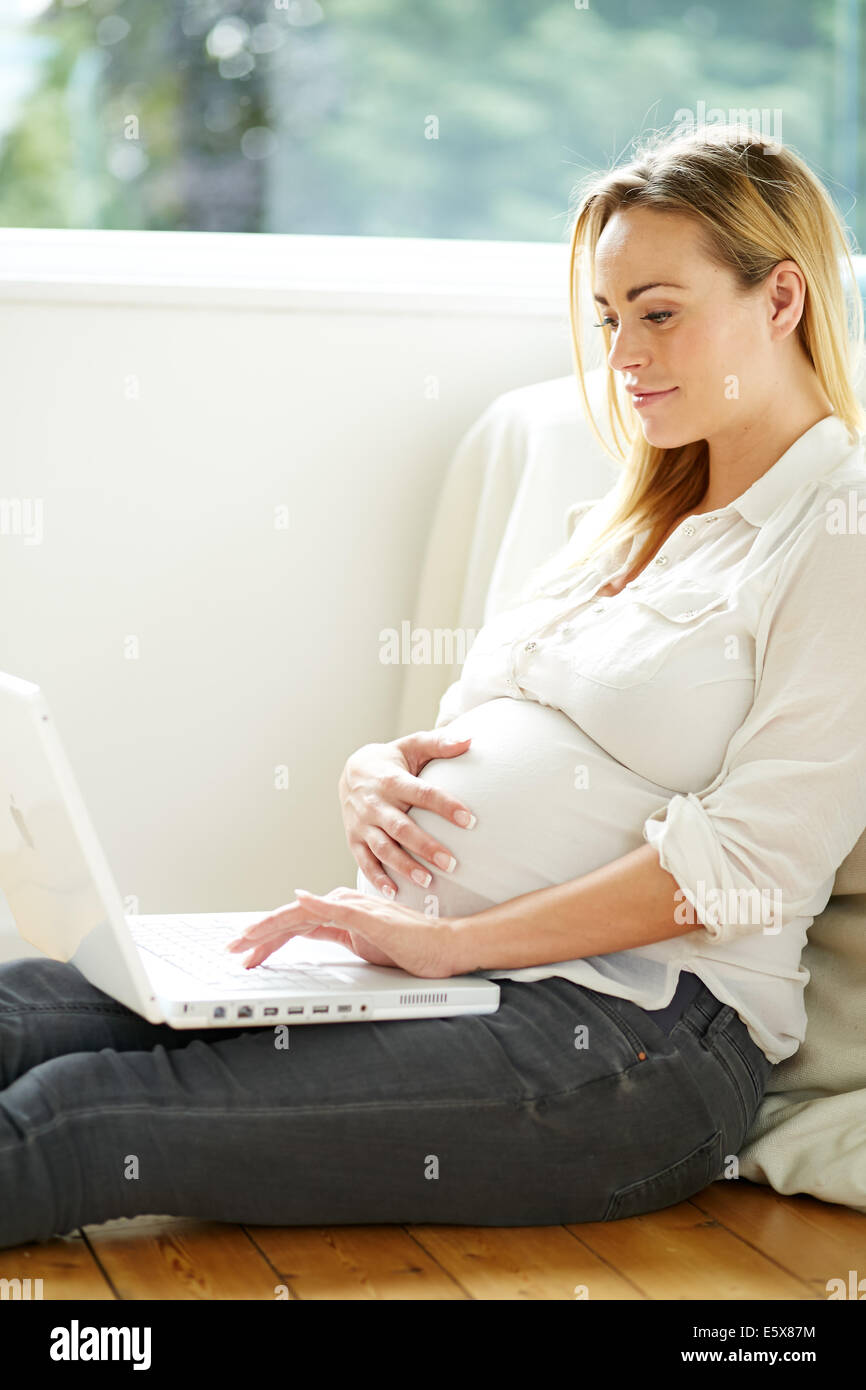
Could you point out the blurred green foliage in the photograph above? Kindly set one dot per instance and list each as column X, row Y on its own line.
column 459, row 118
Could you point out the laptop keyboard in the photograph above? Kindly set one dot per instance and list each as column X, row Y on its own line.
column 198, row 949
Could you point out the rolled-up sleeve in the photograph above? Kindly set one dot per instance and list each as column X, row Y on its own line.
column 789, row 802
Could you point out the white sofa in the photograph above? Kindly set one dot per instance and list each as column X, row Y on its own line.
column 503, row 509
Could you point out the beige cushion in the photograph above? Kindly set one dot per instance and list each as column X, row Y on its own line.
column 851, row 874
column 809, row 1134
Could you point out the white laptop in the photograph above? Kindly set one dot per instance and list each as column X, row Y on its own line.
column 170, row 969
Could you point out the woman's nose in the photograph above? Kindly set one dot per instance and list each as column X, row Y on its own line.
column 625, row 354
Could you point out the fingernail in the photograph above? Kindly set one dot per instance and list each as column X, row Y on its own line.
column 465, row 818
column 445, row 861
column 422, row 877
column 388, row 889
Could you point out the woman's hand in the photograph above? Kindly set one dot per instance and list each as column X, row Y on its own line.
column 380, row 932
column 378, row 785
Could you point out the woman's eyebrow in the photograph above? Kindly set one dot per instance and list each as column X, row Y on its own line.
column 640, row 289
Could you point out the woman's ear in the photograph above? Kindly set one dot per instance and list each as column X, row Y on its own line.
column 786, row 286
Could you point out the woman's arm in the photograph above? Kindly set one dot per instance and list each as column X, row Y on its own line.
column 629, row 902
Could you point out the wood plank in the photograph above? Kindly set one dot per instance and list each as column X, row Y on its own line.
column 681, row 1253
column 177, row 1258
column 353, row 1262
column 731, row 1241
column 814, row 1240
column 65, row 1265
column 523, row 1262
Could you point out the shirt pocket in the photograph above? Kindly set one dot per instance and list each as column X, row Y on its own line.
column 626, row 644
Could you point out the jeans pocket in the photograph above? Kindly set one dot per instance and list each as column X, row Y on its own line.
column 670, row 1185
column 612, row 1006
column 742, row 1061
column 749, row 1066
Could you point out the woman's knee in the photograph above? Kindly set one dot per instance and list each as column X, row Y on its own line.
column 37, row 982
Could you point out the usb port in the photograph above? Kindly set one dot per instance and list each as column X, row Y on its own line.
column 296, row 1008
column 269, row 1013
column 344, row 1008
column 321, row 1008
column 219, row 1012
column 245, row 1011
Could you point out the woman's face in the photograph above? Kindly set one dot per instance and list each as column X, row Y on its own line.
column 695, row 335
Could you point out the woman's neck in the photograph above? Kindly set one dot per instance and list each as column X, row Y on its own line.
column 740, row 459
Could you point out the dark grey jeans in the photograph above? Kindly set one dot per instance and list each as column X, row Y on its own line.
column 564, row 1106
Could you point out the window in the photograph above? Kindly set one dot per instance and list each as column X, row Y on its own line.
column 454, row 119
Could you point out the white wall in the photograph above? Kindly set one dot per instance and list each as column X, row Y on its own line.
column 163, row 394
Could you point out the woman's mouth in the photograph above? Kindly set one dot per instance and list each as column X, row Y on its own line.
column 644, row 398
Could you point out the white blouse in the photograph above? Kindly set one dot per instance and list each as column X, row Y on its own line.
column 715, row 707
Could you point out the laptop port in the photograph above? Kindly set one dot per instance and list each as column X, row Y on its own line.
column 295, row 1009
column 245, row 1011
column 270, row 1013
column 219, row 1011
column 344, row 1008
column 321, row 1008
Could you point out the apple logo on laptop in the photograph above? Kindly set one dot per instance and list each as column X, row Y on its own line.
column 21, row 823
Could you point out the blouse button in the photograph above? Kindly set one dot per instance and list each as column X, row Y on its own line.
column 688, row 530
column 530, row 646
column 660, row 560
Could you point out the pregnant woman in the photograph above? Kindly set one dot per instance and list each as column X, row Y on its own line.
column 663, row 746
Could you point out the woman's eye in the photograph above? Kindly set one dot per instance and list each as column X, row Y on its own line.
column 657, row 316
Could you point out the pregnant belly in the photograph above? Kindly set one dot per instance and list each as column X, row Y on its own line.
column 551, row 805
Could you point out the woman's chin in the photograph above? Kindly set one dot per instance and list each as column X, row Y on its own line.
column 666, row 436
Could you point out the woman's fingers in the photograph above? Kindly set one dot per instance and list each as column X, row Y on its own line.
column 350, row 910
column 373, row 869
column 258, row 930
column 421, row 748
column 262, row 947
column 404, row 789
column 320, row 931
column 379, row 787
column 395, row 858
column 266, row 936
column 284, row 919
column 410, row 836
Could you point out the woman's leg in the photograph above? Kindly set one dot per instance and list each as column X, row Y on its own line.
column 564, row 1106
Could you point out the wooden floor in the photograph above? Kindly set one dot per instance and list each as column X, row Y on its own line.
column 734, row 1240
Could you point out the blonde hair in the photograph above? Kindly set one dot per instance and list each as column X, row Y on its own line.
column 756, row 203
